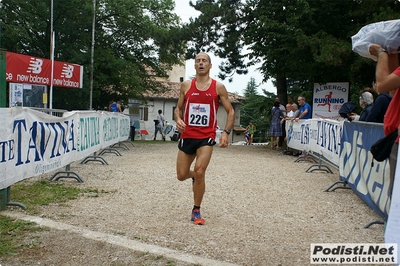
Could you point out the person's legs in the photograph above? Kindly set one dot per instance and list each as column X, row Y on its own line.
column 283, row 134
column 158, row 130
column 183, row 163
column 203, row 157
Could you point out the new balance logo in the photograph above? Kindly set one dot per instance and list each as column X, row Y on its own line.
column 35, row 65
column 67, row 71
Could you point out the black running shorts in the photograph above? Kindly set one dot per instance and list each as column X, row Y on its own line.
column 190, row 146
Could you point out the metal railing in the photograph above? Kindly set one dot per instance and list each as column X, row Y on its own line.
column 53, row 112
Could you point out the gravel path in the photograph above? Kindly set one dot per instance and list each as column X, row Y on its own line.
column 260, row 208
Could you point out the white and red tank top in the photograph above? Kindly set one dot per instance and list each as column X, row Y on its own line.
column 200, row 113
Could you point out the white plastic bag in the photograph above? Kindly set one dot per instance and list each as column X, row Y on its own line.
column 384, row 33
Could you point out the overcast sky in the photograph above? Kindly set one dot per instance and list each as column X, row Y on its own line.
column 239, row 82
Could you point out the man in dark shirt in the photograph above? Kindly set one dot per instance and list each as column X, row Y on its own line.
column 379, row 108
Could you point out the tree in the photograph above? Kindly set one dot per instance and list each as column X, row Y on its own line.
column 301, row 41
column 135, row 41
column 255, row 108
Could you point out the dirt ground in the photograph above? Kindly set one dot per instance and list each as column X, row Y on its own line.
column 260, row 208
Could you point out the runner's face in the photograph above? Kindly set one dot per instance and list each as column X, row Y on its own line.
column 202, row 64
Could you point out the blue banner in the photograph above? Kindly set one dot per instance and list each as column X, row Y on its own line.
column 370, row 183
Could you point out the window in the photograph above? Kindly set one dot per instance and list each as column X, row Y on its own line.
column 144, row 113
column 173, row 112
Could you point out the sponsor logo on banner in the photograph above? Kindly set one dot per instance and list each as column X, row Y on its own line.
column 35, row 66
column 314, row 135
column 370, row 183
column 64, row 75
column 32, row 70
column 68, row 71
column 328, row 98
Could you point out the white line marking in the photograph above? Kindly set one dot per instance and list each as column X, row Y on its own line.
column 118, row 240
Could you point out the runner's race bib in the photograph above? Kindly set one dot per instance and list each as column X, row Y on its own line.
column 199, row 115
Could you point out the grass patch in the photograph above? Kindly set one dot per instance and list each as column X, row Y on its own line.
column 44, row 192
column 11, row 232
column 33, row 195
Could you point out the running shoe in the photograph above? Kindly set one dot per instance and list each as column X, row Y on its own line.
column 196, row 217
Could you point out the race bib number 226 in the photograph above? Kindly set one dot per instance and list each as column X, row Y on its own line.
column 199, row 114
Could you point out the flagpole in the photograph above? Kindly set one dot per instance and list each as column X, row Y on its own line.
column 50, row 100
column 52, row 70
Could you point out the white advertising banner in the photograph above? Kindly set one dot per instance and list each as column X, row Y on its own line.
column 328, row 98
column 316, row 135
column 34, row 143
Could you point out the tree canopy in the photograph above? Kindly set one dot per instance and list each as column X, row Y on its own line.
column 297, row 42
column 135, row 41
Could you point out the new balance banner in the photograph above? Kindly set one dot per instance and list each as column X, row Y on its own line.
column 34, row 70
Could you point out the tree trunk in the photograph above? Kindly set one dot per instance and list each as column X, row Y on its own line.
column 281, row 89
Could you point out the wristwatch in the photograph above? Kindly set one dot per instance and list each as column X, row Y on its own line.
column 227, row 131
column 381, row 51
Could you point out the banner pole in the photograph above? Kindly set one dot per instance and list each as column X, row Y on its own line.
column 52, row 70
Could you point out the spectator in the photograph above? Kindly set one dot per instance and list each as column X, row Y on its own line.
column 275, row 130
column 289, row 112
column 114, row 107
column 290, row 100
column 283, row 125
column 246, row 137
column 305, row 109
column 289, row 116
column 379, row 107
column 283, row 122
column 294, row 112
column 283, row 109
column 159, row 125
column 250, row 131
column 366, row 100
column 387, row 76
column 347, row 109
column 371, row 90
